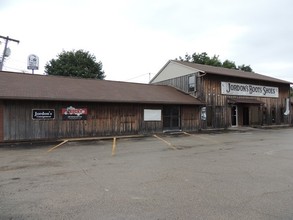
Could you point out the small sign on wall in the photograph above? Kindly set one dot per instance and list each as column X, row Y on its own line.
column 71, row 113
column 43, row 114
column 203, row 113
column 152, row 115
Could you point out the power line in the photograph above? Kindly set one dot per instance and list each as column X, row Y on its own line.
column 19, row 70
column 17, row 60
column 139, row 76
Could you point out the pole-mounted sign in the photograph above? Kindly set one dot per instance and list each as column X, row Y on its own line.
column 33, row 62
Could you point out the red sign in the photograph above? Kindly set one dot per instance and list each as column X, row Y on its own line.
column 71, row 113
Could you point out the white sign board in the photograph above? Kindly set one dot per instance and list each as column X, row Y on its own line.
column 239, row 89
column 33, row 62
column 152, row 115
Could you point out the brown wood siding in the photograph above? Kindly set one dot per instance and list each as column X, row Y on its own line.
column 1, row 122
column 211, row 94
column 219, row 110
column 147, row 127
column 190, row 118
column 216, row 104
column 103, row 119
column 291, row 110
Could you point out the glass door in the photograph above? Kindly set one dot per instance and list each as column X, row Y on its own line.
column 171, row 117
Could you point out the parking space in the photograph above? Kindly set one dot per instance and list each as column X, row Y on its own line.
column 229, row 175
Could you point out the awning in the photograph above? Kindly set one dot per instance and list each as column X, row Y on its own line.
column 244, row 101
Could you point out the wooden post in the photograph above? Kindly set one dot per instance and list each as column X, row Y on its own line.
column 114, row 146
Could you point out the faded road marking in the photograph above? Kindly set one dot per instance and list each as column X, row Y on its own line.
column 166, row 142
column 204, row 138
column 58, row 145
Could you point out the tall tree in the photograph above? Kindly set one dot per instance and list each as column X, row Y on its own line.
column 203, row 58
column 245, row 68
column 214, row 61
column 73, row 63
column 229, row 64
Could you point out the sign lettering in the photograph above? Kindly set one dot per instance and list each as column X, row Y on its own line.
column 71, row 113
column 239, row 89
column 43, row 114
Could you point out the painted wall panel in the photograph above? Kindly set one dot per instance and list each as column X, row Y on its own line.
column 173, row 70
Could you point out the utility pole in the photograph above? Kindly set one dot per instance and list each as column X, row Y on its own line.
column 5, row 49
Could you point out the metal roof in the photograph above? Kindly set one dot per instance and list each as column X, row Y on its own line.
column 230, row 72
column 244, row 101
column 23, row 86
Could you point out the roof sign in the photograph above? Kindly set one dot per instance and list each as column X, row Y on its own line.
column 33, row 62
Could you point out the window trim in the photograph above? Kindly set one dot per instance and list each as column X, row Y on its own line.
column 191, row 83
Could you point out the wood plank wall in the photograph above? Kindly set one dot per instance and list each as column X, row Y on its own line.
column 103, row 119
column 190, row 118
column 1, row 122
column 209, row 91
column 291, row 109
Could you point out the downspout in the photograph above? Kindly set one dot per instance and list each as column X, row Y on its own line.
column 200, row 86
column 203, row 109
column 287, row 112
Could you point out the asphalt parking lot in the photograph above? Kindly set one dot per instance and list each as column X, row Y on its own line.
column 229, row 175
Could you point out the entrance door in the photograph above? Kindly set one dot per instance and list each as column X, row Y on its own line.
column 245, row 116
column 171, row 117
column 273, row 115
column 209, row 116
column 234, row 115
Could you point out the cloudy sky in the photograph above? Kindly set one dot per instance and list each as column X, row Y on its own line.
column 135, row 38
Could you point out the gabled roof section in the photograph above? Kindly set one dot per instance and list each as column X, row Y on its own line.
column 173, row 70
column 218, row 71
column 20, row 86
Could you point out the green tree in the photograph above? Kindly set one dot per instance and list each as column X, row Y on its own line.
column 214, row 61
column 203, row 58
column 229, row 64
column 73, row 63
column 245, row 68
column 187, row 58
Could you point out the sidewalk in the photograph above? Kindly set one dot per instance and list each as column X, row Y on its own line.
column 246, row 128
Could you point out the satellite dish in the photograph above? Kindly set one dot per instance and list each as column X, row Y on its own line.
column 7, row 52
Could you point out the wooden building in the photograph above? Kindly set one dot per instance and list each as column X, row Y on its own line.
column 35, row 107
column 232, row 97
